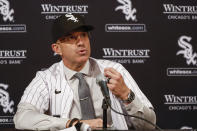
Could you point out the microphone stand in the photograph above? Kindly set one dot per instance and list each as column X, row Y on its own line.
column 104, row 106
column 106, row 100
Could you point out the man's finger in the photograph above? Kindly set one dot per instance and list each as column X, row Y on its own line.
column 109, row 74
column 112, row 70
column 112, row 81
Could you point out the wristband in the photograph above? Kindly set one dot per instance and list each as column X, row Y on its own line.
column 72, row 121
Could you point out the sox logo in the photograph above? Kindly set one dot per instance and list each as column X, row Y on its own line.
column 126, row 8
column 5, row 99
column 187, row 50
column 71, row 17
column 6, row 11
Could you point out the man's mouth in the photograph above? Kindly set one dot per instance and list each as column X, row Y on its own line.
column 82, row 51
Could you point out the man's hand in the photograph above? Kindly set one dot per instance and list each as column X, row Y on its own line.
column 94, row 123
column 116, row 83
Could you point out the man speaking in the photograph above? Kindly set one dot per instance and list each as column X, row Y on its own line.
column 66, row 95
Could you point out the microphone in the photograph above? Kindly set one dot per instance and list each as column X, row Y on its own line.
column 85, row 127
column 101, row 80
column 57, row 92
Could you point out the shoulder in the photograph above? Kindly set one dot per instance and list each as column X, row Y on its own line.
column 108, row 63
column 48, row 72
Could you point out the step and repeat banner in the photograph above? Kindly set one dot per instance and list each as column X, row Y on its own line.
column 155, row 40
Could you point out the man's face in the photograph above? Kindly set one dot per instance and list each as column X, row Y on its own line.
column 74, row 48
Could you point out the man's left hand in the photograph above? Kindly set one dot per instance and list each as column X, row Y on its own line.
column 116, row 83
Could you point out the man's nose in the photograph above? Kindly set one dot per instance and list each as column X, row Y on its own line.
column 79, row 40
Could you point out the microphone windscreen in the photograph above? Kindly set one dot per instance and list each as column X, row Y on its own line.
column 85, row 127
column 100, row 77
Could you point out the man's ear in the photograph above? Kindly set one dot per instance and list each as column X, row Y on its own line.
column 56, row 48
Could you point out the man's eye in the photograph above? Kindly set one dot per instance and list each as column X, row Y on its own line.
column 72, row 37
column 84, row 34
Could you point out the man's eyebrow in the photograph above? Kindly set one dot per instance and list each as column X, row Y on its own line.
column 68, row 34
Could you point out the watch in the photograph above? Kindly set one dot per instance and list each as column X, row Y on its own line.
column 130, row 98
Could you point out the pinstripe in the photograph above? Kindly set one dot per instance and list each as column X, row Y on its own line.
column 45, row 74
column 106, row 62
column 51, row 96
column 38, row 87
column 31, row 88
column 63, row 96
column 127, row 78
column 39, row 96
column 53, row 101
column 116, row 66
column 46, row 105
column 49, row 89
column 50, row 77
column 61, row 79
column 28, row 89
column 110, row 64
column 43, row 102
column 51, row 83
column 55, row 95
column 66, row 100
column 102, row 61
column 35, row 93
column 45, row 77
column 56, row 85
column 116, row 107
column 130, row 81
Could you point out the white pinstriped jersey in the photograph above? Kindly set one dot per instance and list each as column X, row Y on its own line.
column 50, row 90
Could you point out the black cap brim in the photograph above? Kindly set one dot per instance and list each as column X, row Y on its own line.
column 83, row 28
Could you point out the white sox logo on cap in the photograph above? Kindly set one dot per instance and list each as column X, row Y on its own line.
column 71, row 17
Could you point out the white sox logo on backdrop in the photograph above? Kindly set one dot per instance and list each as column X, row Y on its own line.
column 126, row 8
column 5, row 99
column 131, row 24
column 187, row 51
column 6, row 11
column 191, row 59
column 7, row 16
column 71, row 17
